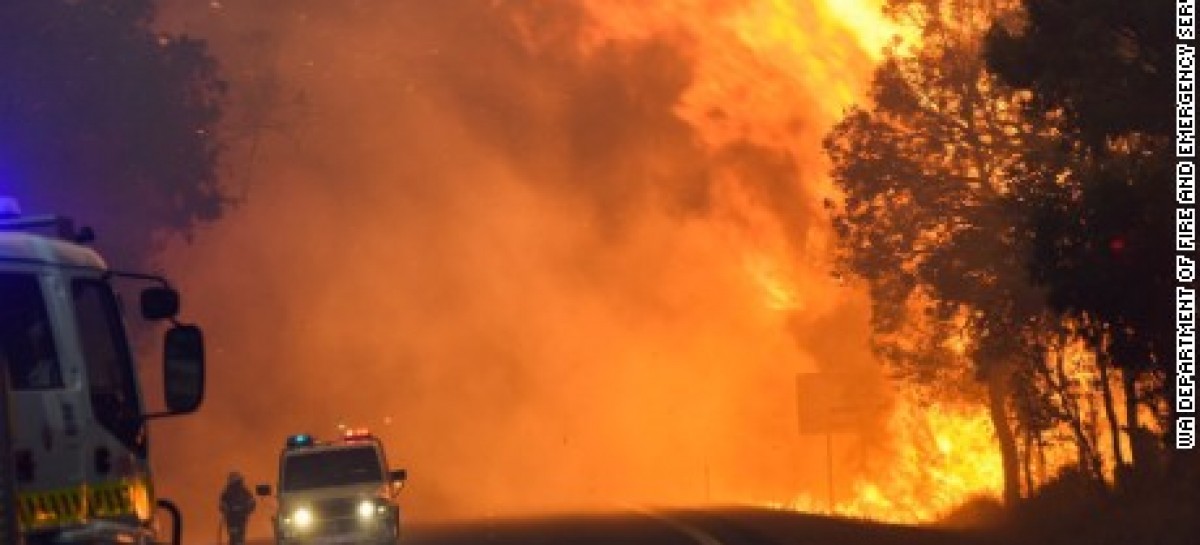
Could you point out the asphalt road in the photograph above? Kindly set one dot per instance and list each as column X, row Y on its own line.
column 709, row 527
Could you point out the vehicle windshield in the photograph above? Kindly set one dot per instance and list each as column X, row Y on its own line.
column 26, row 337
column 333, row 467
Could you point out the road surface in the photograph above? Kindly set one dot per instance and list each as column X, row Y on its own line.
column 694, row 527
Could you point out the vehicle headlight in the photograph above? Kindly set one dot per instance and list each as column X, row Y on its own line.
column 369, row 509
column 302, row 517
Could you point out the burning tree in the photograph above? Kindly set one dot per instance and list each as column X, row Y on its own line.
column 932, row 220
column 1104, row 226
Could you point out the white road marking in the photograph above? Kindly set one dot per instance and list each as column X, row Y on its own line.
column 697, row 535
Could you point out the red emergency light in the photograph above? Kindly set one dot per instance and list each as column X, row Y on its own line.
column 356, row 434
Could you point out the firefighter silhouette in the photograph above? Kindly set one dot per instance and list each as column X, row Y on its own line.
column 236, row 505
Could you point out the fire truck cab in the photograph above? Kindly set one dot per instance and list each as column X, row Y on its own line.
column 78, row 441
column 336, row 492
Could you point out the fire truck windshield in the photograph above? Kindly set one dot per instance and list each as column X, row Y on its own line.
column 26, row 338
column 319, row 468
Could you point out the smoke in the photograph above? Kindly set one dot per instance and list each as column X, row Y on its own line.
column 555, row 266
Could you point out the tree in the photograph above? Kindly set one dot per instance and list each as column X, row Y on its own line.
column 1101, row 240
column 927, row 221
column 108, row 121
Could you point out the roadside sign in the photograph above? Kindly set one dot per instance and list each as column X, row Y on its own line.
column 827, row 402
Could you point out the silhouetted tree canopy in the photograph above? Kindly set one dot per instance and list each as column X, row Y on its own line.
column 1106, row 63
column 1102, row 235
column 925, row 169
column 108, row 121
column 1013, row 222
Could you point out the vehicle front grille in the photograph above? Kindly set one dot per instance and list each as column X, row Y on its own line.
column 340, row 517
column 337, row 508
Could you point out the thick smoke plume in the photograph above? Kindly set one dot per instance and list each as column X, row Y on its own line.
column 559, row 255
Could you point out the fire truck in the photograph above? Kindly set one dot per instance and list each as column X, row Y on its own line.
column 336, row 491
column 73, row 426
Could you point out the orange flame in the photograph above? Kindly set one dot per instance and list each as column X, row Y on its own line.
column 768, row 74
column 777, row 74
column 943, row 456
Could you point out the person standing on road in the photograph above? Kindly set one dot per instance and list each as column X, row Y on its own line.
column 236, row 505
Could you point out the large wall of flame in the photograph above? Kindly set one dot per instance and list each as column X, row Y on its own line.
column 560, row 255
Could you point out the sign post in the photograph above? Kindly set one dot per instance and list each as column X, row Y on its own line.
column 826, row 404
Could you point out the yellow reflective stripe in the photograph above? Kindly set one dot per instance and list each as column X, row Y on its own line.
column 49, row 508
column 111, row 498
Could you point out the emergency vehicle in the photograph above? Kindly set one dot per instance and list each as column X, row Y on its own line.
column 76, row 427
column 336, row 491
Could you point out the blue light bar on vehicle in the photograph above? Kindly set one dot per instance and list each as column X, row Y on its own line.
column 47, row 225
column 300, row 440
column 9, row 208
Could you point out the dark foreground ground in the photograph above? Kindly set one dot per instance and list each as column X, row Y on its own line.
column 708, row 527
column 1163, row 509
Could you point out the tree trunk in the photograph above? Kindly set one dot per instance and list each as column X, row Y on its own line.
column 1129, row 379
column 1041, row 451
column 997, row 386
column 1027, row 463
column 1110, row 413
column 1088, row 461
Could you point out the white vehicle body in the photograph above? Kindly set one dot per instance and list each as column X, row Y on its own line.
column 79, row 436
column 340, row 492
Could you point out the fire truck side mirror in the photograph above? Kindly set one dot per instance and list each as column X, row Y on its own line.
column 159, row 303
column 262, row 490
column 183, row 368
column 399, row 475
